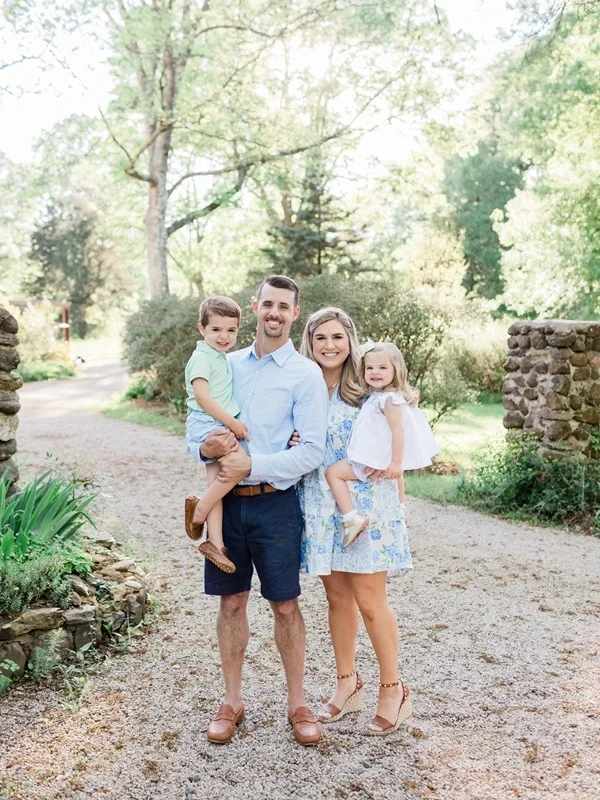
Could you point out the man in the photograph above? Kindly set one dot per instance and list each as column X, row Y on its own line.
column 278, row 391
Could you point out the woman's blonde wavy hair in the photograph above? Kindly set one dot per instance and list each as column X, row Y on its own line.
column 400, row 380
column 350, row 388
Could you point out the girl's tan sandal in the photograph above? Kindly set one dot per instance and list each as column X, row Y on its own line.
column 330, row 713
column 384, row 726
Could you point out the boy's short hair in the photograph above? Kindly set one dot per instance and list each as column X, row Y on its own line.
column 280, row 282
column 217, row 304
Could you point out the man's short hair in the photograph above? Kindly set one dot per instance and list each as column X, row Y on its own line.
column 280, row 282
column 216, row 304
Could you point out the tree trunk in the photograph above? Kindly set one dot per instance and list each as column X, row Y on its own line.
column 156, row 217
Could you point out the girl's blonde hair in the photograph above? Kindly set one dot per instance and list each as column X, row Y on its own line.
column 350, row 388
column 400, row 380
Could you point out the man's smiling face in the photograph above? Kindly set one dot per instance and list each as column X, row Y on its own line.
column 275, row 311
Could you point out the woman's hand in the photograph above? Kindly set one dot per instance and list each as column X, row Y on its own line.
column 394, row 470
column 240, row 430
column 374, row 474
column 294, row 439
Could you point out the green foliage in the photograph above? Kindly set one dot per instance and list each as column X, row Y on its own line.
column 317, row 237
column 7, row 666
column 481, row 347
column 52, row 369
column 43, row 660
column 39, row 542
column 477, row 186
column 42, row 576
column 519, row 479
column 158, row 341
column 71, row 260
column 45, row 515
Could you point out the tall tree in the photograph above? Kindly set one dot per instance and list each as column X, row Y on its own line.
column 316, row 236
column 477, row 187
column 200, row 90
column 71, row 262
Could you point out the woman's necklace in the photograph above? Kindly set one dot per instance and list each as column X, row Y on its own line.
column 333, row 385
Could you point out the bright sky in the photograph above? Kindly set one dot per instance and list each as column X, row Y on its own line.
column 50, row 97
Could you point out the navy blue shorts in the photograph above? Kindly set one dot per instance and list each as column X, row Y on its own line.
column 262, row 531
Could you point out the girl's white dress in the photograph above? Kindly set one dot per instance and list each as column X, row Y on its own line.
column 371, row 441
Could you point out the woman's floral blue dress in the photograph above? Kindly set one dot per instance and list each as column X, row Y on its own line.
column 383, row 546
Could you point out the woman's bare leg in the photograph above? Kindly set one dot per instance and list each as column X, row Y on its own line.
column 343, row 628
column 382, row 626
column 336, row 476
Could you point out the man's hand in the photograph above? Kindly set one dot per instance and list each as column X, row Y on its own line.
column 218, row 444
column 235, row 467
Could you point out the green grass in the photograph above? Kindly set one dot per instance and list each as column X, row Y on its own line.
column 39, row 370
column 461, row 435
column 144, row 414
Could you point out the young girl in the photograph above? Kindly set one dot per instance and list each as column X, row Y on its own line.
column 389, row 434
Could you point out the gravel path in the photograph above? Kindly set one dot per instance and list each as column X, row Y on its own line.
column 499, row 626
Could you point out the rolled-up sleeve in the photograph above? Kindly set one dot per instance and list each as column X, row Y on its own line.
column 309, row 413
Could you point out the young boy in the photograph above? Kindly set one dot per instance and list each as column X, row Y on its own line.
column 211, row 406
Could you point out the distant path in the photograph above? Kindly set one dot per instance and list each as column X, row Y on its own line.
column 499, row 630
column 98, row 380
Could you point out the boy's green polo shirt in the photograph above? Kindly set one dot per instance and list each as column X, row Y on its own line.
column 213, row 366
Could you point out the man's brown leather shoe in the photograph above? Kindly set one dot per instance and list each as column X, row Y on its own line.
column 222, row 726
column 305, row 726
column 194, row 530
column 218, row 557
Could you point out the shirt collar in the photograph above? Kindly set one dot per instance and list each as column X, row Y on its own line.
column 202, row 347
column 279, row 356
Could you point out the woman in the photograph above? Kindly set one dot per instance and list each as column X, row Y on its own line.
column 355, row 577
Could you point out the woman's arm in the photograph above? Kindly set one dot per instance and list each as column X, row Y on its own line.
column 206, row 403
column 393, row 414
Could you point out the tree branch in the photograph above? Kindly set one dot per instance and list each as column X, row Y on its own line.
column 129, row 169
column 208, row 209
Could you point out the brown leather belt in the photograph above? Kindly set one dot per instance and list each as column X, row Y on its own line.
column 254, row 491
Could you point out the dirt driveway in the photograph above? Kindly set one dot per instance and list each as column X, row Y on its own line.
column 499, row 626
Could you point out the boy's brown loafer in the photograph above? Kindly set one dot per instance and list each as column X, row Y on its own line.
column 218, row 557
column 222, row 726
column 305, row 726
column 194, row 530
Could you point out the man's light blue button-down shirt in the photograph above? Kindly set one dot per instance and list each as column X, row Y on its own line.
column 277, row 394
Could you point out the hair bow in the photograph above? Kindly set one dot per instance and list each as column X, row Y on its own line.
column 366, row 347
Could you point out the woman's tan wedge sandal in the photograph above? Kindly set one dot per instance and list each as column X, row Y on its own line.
column 331, row 713
column 384, row 726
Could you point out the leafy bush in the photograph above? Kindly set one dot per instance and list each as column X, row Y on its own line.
column 480, row 353
column 158, row 341
column 161, row 336
column 520, row 479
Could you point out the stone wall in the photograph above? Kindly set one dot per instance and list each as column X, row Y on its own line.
column 9, row 401
column 552, row 388
column 103, row 605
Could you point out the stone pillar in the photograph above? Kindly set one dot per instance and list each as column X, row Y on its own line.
column 552, row 388
column 9, row 401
